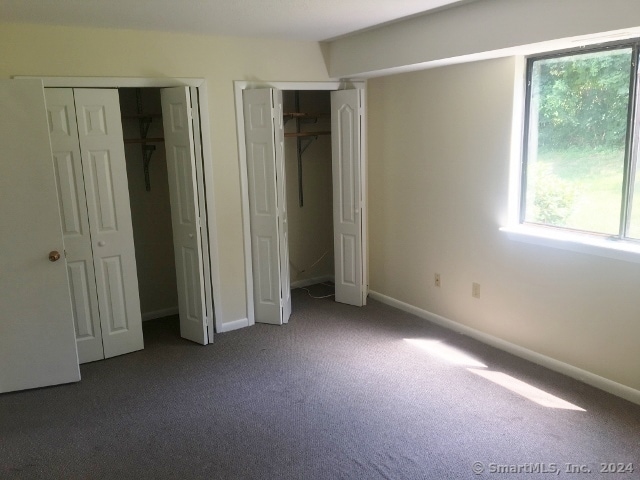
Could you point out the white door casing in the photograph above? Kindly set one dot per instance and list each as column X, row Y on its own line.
column 37, row 340
column 346, row 114
column 265, row 194
column 105, row 179
column 67, row 166
column 185, row 214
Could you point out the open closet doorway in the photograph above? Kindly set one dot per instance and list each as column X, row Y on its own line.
column 268, row 119
column 309, row 186
column 158, row 140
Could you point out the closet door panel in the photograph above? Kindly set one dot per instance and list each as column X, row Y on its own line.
column 67, row 165
column 260, row 139
column 113, row 291
column 283, row 220
column 37, row 343
column 105, row 180
column 185, row 217
column 82, row 301
column 202, row 203
column 103, row 191
column 347, row 208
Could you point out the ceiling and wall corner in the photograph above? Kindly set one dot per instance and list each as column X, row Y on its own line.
column 480, row 30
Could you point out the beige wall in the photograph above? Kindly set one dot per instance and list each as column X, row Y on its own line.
column 310, row 226
column 439, row 145
column 70, row 51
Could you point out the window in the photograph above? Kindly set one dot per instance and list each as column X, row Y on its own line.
column 581, row 144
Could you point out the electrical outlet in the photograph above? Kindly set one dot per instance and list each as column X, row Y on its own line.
column 475, row 290
column 437, row 280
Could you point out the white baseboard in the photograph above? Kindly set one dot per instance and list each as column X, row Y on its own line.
column 165, row 312
column 234, row 325
column 312, row 281
column 589, row 378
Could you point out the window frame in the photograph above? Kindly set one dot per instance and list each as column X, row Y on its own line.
column 632, row 145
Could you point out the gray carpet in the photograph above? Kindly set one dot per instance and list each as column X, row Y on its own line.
column 336, row 393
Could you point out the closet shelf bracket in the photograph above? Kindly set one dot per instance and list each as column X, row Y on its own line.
column 147, row 151
column 303, row 139
column 144, row 122
column 306, row 145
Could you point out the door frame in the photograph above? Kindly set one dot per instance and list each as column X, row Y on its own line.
column 205, row 184
column 239, row 86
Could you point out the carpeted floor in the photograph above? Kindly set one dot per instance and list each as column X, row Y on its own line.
column 338, row 393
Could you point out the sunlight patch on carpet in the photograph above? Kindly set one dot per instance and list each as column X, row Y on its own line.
column 445, row 352
column 528, row 391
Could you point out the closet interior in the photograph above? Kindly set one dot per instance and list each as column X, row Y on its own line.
column 309, row 191
column 142, row 125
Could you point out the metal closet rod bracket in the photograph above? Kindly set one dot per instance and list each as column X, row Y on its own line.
column 144, row 122
column 303, row 139
column 147, row 151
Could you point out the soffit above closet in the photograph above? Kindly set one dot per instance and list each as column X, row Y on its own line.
column 312, row 20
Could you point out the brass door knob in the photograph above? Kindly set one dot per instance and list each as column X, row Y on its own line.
column 54, row 256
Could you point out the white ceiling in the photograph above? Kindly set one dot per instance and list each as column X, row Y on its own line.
column 285, row 19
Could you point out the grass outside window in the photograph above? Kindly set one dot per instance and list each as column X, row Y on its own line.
column 579, row 163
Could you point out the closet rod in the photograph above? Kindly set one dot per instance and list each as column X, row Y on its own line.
column 306, row 115
column 296, row 97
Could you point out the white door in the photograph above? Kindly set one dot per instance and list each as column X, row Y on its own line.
column 264, row 139
column 185, row 217
column 346, row 115
column 67, row 165
column 283, row 223
column 37, row 341
column 202, row 204
column 107, row 191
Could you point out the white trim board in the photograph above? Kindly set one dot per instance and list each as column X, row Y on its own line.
column 116, row 82
column 238, row 87
column 589, row 378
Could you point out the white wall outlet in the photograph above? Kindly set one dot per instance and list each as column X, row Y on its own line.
column 475, row 290
column 437, row 280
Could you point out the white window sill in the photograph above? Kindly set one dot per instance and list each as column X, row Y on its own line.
column 576, row 242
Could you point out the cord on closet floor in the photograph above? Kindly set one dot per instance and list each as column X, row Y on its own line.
column 312, row 265
column 318, row 298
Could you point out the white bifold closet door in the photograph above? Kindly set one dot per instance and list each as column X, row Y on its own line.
column 37, row 341
column 185, row 216
column 346, row 148
column 67, row 165
column 93, row 192
column 264, row 138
